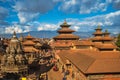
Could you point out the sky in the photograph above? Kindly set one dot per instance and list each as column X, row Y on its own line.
column 36, row 15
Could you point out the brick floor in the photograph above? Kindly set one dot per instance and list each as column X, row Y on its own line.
column 54, row 75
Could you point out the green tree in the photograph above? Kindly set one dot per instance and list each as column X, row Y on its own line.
column 118, row 41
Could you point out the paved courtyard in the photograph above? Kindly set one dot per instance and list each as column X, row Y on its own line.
column 54, row 75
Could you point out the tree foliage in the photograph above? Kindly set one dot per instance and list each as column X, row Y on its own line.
column 118, row 41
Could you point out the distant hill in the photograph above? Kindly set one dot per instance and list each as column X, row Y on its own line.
column 39, row 34
column 50, row 34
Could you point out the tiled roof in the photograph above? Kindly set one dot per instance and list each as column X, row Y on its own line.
column 83, row 43
column 93, row 62
column 104, row 66
column 38, row 44
column 97, row 44
column 28, row 42
column 102, row 38
column 80, row 60
column 97, row 38
column 110, row 78
column 30, row 49
column 65, row 36
column 36, row 40
column 57, row 44
column 97, row 33
column 108, row 46
column 66, row 30
column 29, row 37
column 107, row 38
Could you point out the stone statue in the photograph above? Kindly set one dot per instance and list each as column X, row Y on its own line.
column 20, row 59
column 10, row 59
column 12, row 51
column 4, row 60
column 7, row 50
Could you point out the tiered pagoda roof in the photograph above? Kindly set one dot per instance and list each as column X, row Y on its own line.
column 21, row 38
column 83, row 43
column 66, row 36
column 98, row 34
column 65, row 33
column 107, row 41
column 106, row 36
column 58, row 44
column 29, row 44
column 65, row 30
column 29, row 37
column 103, row 39
column 98, row 31
column 31, row 49
column 108, row 46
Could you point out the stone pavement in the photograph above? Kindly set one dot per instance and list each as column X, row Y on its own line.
column 57, row 75
column 54, row 75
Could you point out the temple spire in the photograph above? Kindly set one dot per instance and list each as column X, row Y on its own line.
column 106, row 31
column 21, row 37
column 65, row 22
column 14, row 34
column 99, row 26
column 29, row 34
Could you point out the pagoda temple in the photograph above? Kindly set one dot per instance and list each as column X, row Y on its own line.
column 97, row 35
column 103, row 41
column 106, row 38
column 31, row 49
column 21, row 38
column 65, row 37
column 29, row 45
column 14, row 60
column 107, row 43
column 65, row 33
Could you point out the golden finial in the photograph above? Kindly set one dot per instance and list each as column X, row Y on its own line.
column 65, row 22
column 106, row 31
column 28, row 33
column 99, row 26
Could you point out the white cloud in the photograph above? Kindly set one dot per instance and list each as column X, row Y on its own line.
column 28, row 28
column 76, row 28
column 83, row 6
column 29, row 10
column 88, row 6
column 46, row 26
column 35, row 26
column 11, row 29
column 103, row 6
column 18, row 28
column 25, row 17
column 109, row 21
